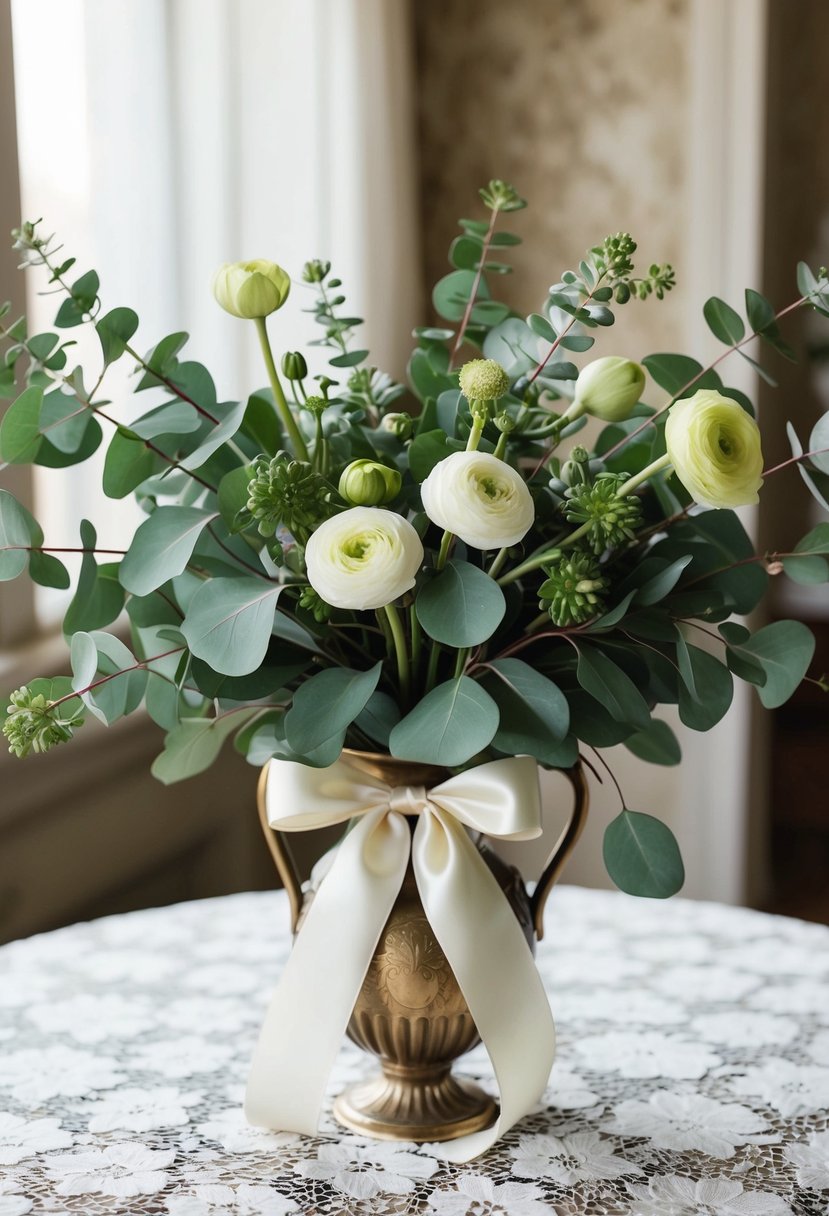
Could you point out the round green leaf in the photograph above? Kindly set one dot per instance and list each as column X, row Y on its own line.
column 642, row 856
column 534, row 714
column 326, row 705
column 658, row 744
column 785, row 649
column 463, row 606
column 229, row 622
column 449, row 726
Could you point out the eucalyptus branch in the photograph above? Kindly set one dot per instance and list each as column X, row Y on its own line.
column 140, row 666
column 703, row 371
column 476, row 283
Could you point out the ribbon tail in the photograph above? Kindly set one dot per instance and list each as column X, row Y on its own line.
column 486, row 948
column 309, row 1012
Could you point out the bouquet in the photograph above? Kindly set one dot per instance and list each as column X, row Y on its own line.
column 445, row 570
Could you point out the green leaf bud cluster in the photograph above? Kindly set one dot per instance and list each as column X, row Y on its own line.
column 609, row 520
column 573, row 591
column 31, row 725
column 287, row 492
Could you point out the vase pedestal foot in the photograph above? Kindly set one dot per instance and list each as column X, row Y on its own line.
column 424, row 1105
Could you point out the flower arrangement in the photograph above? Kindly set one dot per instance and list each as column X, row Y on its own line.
column 433, row 570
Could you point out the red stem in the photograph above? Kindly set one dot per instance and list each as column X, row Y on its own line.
column 473, row 295
column 114, row 676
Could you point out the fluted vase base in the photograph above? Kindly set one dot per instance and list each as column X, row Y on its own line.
column 423, row 1105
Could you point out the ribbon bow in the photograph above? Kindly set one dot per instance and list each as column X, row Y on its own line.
column 467, row 910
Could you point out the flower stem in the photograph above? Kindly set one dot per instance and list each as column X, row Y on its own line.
column 535, row 563
column 656, row 466
column 417, row 638
column 286, row 416
column 399, row 637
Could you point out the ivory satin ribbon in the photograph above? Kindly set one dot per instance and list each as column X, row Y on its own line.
column 469, row 914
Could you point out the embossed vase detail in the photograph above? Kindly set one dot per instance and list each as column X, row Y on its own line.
column 410, row 1012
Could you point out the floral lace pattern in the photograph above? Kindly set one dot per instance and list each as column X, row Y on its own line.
column 692, row 1076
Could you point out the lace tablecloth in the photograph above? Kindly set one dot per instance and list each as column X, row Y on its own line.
column 692, row 1074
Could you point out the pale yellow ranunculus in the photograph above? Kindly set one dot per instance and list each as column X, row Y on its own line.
column 363, row 558
column 251, row 289
column 714, row 446
column 480, row 498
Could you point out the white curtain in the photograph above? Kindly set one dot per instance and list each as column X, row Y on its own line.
column 184, row 133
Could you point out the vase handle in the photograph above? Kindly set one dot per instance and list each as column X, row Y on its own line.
column 281, row 854
column 563, row 849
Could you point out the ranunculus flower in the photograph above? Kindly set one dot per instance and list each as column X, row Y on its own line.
column 479, row 498
column 609, row 388
column 364, row 558
column 714, row 446
column 251, row 289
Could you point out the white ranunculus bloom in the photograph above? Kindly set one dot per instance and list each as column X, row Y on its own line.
column 480, row 499
column 363, row 558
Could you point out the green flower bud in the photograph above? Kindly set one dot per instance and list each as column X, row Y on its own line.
column 575, row 471
column 367, row 483
column 400, row 425
column 315, row 405
column 251, row 289
column 294, row 366
column 501, row 196
column 505, row 423
column 315, row 271
column 483, row 380
column 609, row 388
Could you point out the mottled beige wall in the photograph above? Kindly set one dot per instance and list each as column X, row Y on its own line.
column 582, row 105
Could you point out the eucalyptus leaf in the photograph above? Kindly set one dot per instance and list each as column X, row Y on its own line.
column 47, row 570
column 20, row 436
column 15, row 536
column 708, row 701
column 819, row 444
column 657, row 744
column 162, row 547
column 327, row 704
column 453, row 723
column 99, row 596
column 378, row 718
column 128, row 462
column 193, row 745
column 642, row 857
column 229, row 623
column 534, row 714
column 461, row 606
column 604, row 680
column 785, row 649
column 724, row 323
column 114, row 331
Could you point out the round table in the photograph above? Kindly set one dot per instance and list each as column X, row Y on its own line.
column 692, row 1073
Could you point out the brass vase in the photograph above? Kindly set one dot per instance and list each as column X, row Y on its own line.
column 410, row 1012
